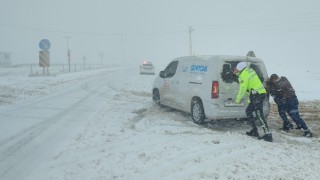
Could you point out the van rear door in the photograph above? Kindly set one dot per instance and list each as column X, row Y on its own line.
column 229, row 85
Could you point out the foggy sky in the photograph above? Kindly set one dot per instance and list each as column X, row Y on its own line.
column 283, row 32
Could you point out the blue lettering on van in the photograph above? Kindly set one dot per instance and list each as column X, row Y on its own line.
column 199, row 68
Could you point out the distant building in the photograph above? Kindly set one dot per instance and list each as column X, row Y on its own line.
column 5, row 59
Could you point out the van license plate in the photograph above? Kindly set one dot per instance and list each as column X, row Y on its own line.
column 231, row 103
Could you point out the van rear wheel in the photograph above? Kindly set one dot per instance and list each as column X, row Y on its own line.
column 197, row 112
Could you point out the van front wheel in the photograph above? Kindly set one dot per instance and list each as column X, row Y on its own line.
column 197, row 112
column 156, row 97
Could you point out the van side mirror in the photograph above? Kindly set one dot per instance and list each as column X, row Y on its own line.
column 161, row 74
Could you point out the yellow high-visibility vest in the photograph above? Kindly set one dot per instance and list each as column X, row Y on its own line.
column 249, row 80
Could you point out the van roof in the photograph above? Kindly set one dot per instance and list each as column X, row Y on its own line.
column 223, row 57
column 220, row 57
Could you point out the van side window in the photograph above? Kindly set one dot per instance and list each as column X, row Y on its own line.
column 227, row 74
column 256, row 68
column 171, row 69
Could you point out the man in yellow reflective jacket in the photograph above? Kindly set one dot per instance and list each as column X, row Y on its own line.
column 250, row 82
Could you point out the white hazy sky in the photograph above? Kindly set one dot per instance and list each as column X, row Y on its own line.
column 281, row 32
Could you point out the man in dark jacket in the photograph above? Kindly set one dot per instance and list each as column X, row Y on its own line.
column 284, row 92
column 282, row 107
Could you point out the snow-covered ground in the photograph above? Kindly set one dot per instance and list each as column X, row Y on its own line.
column 101, row 124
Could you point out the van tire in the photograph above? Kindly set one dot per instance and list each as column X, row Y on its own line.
column 197, row 111
column 156, row 97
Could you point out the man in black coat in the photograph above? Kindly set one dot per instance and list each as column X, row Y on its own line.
column 285, row 95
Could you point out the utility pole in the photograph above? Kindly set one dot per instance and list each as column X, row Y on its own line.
column 68, row 50
column 101, row 56
column 123, row 54
column 84, row 62
column 190, row 40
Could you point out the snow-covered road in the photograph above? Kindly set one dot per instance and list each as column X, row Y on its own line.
column 101, row 125
column 32, row 132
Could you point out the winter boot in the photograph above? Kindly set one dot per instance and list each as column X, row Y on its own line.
column 307, row 133
column 253, row 132
column 286, row 126
column 267, row 137
column 299, row 127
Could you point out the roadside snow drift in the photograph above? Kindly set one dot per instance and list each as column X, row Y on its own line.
column 101, row 124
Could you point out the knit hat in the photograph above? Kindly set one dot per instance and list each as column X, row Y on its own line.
column 241, row 66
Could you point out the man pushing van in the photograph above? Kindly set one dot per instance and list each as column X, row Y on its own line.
column 250, row 82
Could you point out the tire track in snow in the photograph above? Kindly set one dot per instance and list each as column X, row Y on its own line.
column 16, row 148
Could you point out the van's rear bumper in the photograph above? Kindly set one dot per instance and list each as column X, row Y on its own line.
column 215, row 111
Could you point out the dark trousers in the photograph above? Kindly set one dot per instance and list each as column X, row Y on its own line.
column 256, row 106
column 283, row 110
column 293, row 111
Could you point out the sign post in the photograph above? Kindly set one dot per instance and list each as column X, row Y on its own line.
column 44, row 54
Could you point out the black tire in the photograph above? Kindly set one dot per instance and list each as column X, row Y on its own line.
column 197, row 112
column 156, row 97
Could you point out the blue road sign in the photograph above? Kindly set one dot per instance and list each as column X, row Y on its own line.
column 44, row 44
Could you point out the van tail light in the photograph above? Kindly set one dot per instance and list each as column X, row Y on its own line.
column 215, row 89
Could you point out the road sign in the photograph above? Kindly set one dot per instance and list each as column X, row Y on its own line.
column 44, row 58
column 44, row 44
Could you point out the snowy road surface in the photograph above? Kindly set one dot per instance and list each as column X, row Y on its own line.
column 101, row 125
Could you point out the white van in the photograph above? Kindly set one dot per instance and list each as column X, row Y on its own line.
column 205, row 86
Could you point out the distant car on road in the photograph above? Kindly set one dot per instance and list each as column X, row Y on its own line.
column 147, row 68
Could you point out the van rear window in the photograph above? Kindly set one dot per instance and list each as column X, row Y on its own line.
column 227, row 73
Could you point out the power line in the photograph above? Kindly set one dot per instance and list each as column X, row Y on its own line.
column 309, row 21
column 92, row 33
